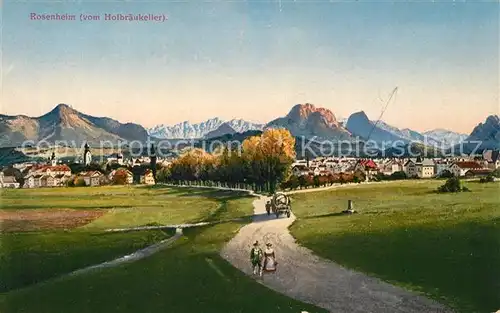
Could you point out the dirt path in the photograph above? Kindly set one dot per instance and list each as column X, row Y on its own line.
column 133, row 257
column 304, row 276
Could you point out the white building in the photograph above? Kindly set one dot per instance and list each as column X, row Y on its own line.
column 440, row 166
column 425, row 169
column 8, row 181
column 300, row 169
column 391, row 166
column 410, row 168
column 460, row 168
column 92, row 178
column 419, row 168
column 128, row 174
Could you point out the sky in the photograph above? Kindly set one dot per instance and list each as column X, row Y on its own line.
column 255, row 60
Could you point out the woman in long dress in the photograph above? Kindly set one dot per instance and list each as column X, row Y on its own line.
column 269, row 259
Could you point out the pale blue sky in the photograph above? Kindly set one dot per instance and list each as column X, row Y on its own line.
column 254, row 60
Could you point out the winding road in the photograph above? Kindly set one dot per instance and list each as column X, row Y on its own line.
column 303, row 276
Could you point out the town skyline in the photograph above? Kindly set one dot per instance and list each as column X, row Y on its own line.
column 256, row 60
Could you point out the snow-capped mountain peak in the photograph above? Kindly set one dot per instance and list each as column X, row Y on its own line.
column 186, row 130
column 445, row 136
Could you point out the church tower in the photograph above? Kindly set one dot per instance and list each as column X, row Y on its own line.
column 87, row 156
column 152, row 158
column 53, row 161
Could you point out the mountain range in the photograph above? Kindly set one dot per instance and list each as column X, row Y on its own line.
column 303, row 121
column 64, row 123
column 186, row 130
column 383, row 133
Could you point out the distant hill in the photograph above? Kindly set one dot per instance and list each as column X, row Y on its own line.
column 236, row 139
column 64, row 123
column 12, row 155
column 412, row 149
column 223, row 129
column 311, row 122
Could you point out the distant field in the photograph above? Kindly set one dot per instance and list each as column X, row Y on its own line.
column 444, row 245
column 124, row 206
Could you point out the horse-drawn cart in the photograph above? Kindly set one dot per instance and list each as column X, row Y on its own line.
column 279, row 204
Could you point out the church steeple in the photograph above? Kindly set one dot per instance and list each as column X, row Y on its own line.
column 87, row 156
column 52, row 159
column 152, row 158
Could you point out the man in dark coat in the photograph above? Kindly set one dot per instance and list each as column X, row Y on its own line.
column 256, row 258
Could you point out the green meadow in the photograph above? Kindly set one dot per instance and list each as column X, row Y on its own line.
column 189, row 276
column 446, row 246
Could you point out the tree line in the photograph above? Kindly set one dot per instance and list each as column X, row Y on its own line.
column 262, row 163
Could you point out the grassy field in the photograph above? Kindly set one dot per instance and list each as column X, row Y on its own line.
column 446, row 246
column 188, row 277
column 28, row 258
column 126, row 206
column 31, row 257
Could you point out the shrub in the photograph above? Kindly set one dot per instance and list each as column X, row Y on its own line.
column 496, row 173
column 164, row 174
column 452, row 184
column 293, row 182
column 302, row 181
column 398, row 175
column 285, row 185
column 316, row 181
column 80, row 182
column 446, row 174
column 487, row 179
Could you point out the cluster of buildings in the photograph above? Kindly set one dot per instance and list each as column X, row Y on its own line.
column 412, row 167
column 56, row 174
column 118, row 158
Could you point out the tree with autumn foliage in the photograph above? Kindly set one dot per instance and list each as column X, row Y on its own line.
column 229, row 167
column 268, row 157
column 191, row 165
column 120, row 177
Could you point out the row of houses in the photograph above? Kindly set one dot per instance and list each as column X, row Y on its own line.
column 147, row 178
column 118, row 158
column 47, row 176
column 412, row 167
column 60, row 175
